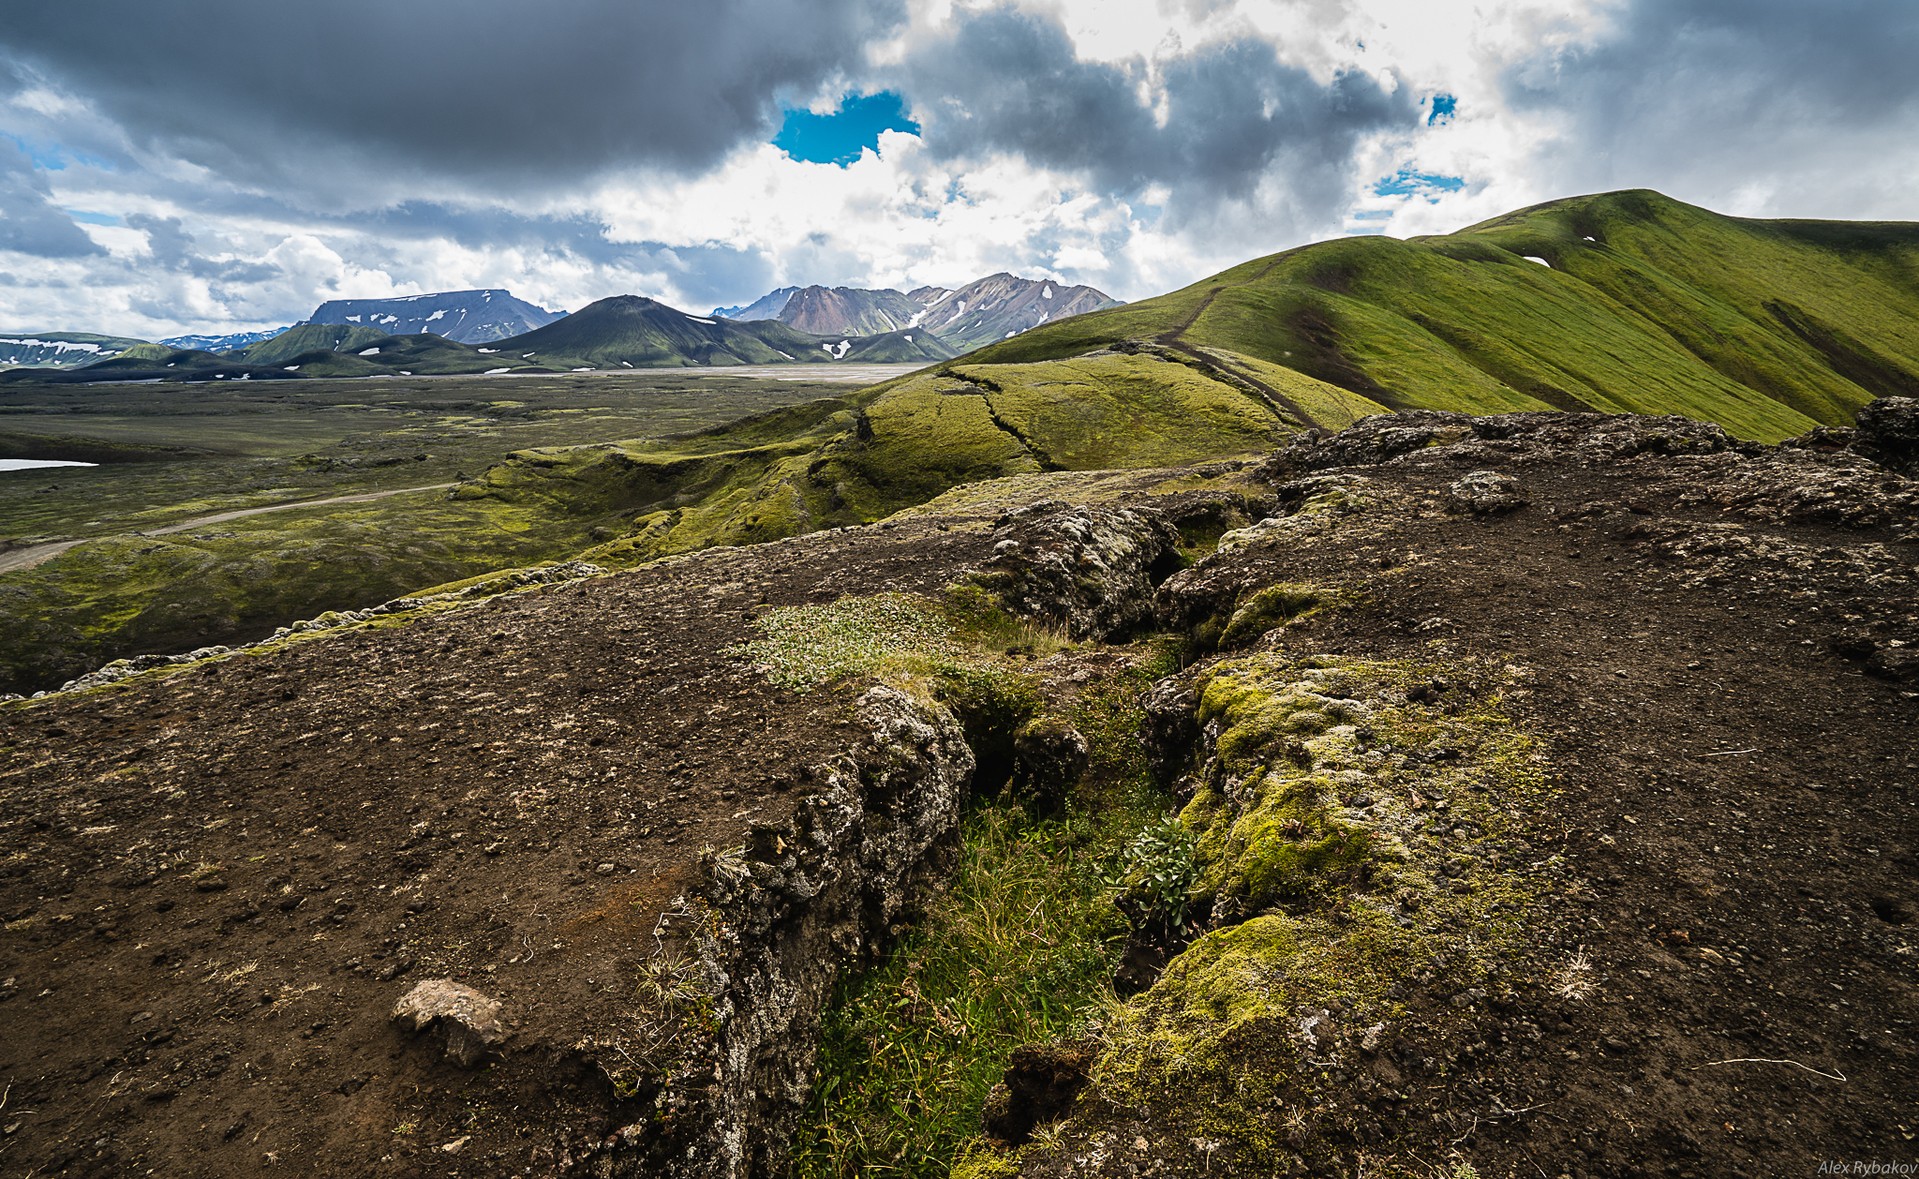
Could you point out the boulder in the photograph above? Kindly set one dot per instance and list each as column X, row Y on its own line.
column 470, row 1020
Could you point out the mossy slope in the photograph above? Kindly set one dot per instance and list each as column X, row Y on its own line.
column 1622, row 302
column 860, row 458
column 1352, row 823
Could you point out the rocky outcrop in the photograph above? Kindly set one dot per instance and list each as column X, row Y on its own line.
column 1888, row 433
column 777, row 920
column 1087, row 570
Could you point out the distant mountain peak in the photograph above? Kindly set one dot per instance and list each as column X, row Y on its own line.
column 469, row 317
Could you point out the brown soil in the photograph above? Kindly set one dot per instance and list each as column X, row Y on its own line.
column 215, row 883
column 1711, row 645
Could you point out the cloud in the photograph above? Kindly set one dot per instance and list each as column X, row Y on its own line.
column 1209, row 126
column 29, row 221
column 523, row 97
column 1763, row 106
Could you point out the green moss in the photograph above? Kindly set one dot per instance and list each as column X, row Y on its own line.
column 1272, row 607
column 1021, row 949
column 1349, row 835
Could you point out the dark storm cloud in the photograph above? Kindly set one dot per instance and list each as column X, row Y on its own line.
column 171, row 247
column 522, row 94
column 1005, row 80
column 29, row 221
column 1729, row 90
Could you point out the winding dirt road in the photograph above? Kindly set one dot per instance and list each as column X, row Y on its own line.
column 27, row 558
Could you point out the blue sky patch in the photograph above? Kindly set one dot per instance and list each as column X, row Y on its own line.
column 57, row 157
column 1407, row 182
column 839, row 138
column 1445, row 106
column 81, row 215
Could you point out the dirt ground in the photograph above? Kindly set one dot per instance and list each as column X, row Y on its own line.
column 1717, row 649
column 216, row 883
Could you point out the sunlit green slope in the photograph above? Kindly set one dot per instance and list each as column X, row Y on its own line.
column 1623, row 302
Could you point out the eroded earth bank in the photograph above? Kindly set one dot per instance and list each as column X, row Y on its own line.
column 1545, row 805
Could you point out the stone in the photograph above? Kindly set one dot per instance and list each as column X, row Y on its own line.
column 1486, row 493
column 1888, row 433
column 1050, row 756
column 470, row 1020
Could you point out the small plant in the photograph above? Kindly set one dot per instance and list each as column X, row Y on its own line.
column 1574, row 980
column 1159, row 867
column 668, row 979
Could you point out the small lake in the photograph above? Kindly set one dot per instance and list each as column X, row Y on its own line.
column 37, row 464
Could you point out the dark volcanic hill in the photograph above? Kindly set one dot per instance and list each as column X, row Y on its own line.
column 1541, row 790
column 908, row 346
column 471, row 317
column 636, row 332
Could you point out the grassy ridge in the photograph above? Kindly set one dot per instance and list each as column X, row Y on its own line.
column 1625, row 302
column 860, row 458
column 1642, row 304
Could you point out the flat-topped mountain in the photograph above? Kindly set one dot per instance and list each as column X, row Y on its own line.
column 471, row 317
column 59, row 349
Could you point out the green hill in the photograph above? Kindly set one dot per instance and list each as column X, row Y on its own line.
column 309, row 337
column 629, row 331
column 1625, row 302
column 907, row 346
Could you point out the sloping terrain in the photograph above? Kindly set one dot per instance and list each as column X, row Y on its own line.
column 471, row 317
column 1646, row 305
column 990, row 309
column 845, row 311
column 311, row 337
column 1546, row 793
column 634, row 332
column 906, row 346
column 1623, row 302
column 59, row 349
column 865, row 456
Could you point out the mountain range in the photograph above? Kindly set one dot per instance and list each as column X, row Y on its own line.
column 59, row 349
column 982, row 311
column 789, row 325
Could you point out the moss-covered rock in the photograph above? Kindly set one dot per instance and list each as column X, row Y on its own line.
column 1350, row 824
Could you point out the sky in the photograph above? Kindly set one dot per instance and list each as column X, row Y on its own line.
column 225, row 165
